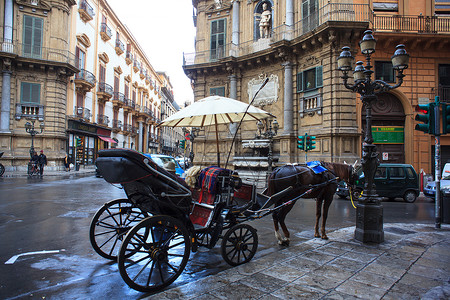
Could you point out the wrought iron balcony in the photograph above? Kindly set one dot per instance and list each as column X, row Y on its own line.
column 105, row 91
column 136, row 65
column 84, row 81
column 102, row 119
column 444, row 93
column 129, row 58
column 105, row 32
column 120, row 47
column 86, row 11
column 118, row 99
column 116, row 125
column 127, row 128
column 29, row 111
column 82, row 113
column 415, row 24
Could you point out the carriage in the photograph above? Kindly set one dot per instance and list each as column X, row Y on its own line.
column 152, row 232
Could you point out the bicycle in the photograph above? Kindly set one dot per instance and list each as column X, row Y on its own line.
column 33, row 169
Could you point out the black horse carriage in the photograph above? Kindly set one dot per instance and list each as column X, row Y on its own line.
column 152, row 232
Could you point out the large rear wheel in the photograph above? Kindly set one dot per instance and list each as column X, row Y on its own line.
column 150, row 262
column 111, row 223
column 239, row 244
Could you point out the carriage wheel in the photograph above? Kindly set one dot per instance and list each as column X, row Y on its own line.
column 150, row 262
column 239, row 244
column 2, row 169
column 111, row 223
column 208, row 237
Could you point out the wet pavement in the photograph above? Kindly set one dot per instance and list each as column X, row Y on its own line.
column 412, row 263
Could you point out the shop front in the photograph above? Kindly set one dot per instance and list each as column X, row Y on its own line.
column 84, row 141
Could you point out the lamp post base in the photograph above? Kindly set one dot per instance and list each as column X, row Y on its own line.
column 369, row 222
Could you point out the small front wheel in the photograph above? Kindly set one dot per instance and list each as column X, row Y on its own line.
column 239, row 244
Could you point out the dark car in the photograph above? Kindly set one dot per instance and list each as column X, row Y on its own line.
column 391, row 181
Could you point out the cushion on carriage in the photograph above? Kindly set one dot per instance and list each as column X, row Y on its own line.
column 201, row 214
column 209, row 183
column 245, row 193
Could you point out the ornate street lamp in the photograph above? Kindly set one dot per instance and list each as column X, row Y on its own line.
column 191, row 135
column 269, row 133
column 369, row 213
column 29, row 127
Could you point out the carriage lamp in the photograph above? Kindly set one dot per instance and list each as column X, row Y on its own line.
column 29, row 127
column 271, row 127
column 369, row 212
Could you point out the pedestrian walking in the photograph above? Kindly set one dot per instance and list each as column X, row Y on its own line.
column 42, row 161
column 67, row 163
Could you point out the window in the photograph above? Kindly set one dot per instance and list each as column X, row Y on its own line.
column 410, row 173
column 80, row 58
column 310, row 79
column 384, row 71
column 397, row 172
column 380, row 173
column 102, row 72
column 219, row 91
column 218, row 39
column 30, row 93
column 32, row 36
column 442, row 7
column 309, row 15
column 444, row 83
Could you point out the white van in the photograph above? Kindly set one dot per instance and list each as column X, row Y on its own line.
column 430, row 189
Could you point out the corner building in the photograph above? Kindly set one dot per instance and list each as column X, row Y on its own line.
column 305, row 92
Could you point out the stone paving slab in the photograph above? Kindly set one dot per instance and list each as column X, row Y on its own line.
column 412, row 263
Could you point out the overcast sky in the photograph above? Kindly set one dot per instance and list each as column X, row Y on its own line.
column 164, row 29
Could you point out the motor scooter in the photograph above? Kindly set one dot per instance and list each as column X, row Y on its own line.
column 2, row 167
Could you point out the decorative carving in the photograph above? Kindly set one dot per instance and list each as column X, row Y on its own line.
column 84, row 40
column 104, row 57
column 266, row 96
column 311, row 61
column 118, row 70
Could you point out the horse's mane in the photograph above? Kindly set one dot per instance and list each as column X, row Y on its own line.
column 341, row 170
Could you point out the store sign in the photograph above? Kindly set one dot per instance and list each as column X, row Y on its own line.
column 388, row 134
column 82, row 127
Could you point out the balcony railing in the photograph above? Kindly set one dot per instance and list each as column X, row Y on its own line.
column 118, row 96
column 444, row 93
column 117, row 124
column 120, row 47
column 127, row 127
column 416, row 24
column 86, row 11
column 82, row 112
column 129, row 58
column 102, row 119
column 86, row 76
column 30, row 111
column 38, row 53
column 136, row 66
column 105, row 32
column 103, row 87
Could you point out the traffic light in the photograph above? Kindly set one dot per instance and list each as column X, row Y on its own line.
column 445, row 118
column 427, row 118
column 183, row 144
column 307, row 142
column 77, row 141
column 312, row 142
column 301, row 142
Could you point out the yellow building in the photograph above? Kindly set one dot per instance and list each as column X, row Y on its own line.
column 37, row 64
column 298, row 53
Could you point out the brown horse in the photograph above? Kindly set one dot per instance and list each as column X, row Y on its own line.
column 301, row 178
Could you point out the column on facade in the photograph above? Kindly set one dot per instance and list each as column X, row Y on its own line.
column 288, row 98
column 140, row 139
column 8, row 26
column 233, row 95
column 6, row 83
column 290, row 13
column 235, row 34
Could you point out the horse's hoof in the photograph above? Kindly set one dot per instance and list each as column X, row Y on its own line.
column 324, row 237
column 285, row 243
column 317, row 235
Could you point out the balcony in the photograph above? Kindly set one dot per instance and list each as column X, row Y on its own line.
column 129, row 58
column 444, row 93
column 127, row 129
column 82, row 113
column 105, row 32
column 29, row 111
column 129, row 105
column 136, row 109
column 412, row 24
column 116, row 125
column 84, row 81
column 39, row 55
column 136, row 66
column 120, row 47
column 86, row 11
column 102, row 120
column 134, row 131
column 147, row 79
column 118, row 99
column 104, row 92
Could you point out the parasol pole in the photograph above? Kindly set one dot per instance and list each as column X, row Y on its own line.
column 217, row 142
column 239, row 125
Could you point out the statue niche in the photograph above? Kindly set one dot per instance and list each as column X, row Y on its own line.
column 263, row 20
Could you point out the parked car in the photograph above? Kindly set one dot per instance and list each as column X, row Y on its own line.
column 183, row 162
column 430, row 189
column 391, row 181
column 162, row 159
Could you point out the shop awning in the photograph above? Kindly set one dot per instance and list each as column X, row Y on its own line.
column 107, row 139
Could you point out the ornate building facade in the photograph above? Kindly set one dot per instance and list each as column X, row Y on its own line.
column 234, row 56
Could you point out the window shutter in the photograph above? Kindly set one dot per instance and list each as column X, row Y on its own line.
column 35, row 93
column 37, row 37
column 300, row 82
column 319, row 77
column 30, row 92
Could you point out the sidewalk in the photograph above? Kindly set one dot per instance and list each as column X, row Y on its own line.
column 48, row 171
column 412, row 263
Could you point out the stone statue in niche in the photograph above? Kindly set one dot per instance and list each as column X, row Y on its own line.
column 264, row 23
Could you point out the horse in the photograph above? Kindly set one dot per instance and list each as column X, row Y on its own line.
column 302, row 178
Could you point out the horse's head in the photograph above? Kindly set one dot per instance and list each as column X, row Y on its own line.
column 353, row 175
